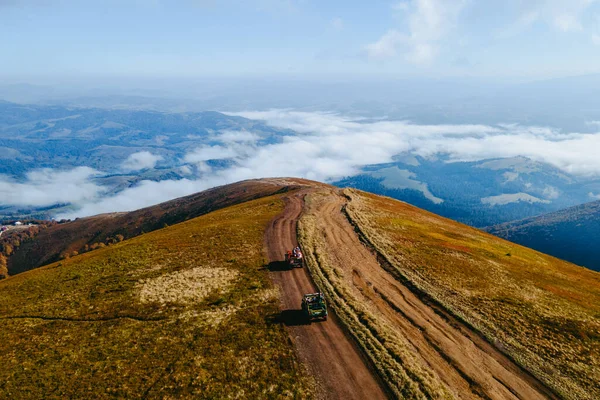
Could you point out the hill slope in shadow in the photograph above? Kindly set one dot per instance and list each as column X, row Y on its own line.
column 572, row 234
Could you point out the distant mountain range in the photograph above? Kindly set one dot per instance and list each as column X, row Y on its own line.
column 61, row 138
column 480, row 193
column 567, row 103
column 572, row 234
column 58, row 137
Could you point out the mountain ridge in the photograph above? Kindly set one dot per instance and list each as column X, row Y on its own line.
column 417, row 300
column 479, row 193
column 571, row 234
column 83, row 234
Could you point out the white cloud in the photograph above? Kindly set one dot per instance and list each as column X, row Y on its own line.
column 427, row 26
column 386, row 46
column 144, row 194
column 48, row 187
column 205, row 153
column 550, row 192
column 428, row 22
column 562, row 15
column 243, row 136
column 504, row 199
column 357, row 143
column 185, row 169
column 140, row 160
column 329, row 146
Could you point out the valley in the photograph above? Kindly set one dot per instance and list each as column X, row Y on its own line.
column 68, row 162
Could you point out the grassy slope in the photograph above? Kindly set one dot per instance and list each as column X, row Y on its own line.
column 66, row 238
column 98, row 339
column 542, row 311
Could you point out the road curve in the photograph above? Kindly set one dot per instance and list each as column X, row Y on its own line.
column 453, row 354
column 459, row 358
column 329, row 354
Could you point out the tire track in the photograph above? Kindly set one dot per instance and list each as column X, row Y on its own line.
column 452, row 354
column 329, row 354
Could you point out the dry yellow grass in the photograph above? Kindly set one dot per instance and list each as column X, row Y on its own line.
column 188, row 286
column 541, row 311
column 79, row 328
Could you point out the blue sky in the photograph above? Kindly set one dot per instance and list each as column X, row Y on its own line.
column 299, row 38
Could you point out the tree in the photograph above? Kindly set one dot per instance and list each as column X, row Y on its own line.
column 3, row 266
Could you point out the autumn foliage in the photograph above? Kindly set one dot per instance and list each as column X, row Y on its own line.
column 11, row 240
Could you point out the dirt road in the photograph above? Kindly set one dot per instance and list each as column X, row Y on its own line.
column 455, row 357
column 330, row 355
column 447, row 357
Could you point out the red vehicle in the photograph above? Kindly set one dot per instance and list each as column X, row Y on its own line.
column 294, row 258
